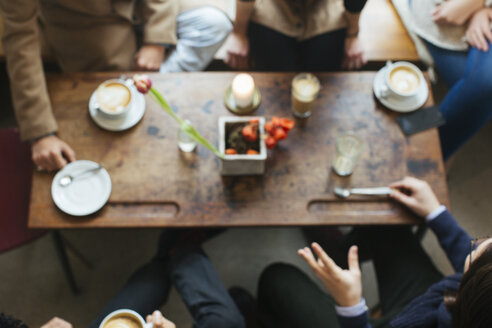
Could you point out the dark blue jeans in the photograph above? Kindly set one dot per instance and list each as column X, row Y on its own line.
column 468, row 105
column 288, row 298
column 195, row 279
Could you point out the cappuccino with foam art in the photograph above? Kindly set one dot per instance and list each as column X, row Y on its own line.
column 404, row 79
column 113, row 97
column 124, row 318
column 122, row 322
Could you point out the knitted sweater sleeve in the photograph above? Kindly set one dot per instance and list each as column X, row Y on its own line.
column 453, row 239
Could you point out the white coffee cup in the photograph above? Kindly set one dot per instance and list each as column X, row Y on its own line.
column 402, row 80
column 114, row 98
column 125, row 313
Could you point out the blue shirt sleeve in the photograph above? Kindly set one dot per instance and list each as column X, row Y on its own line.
column 453, row 239
column 360, row 321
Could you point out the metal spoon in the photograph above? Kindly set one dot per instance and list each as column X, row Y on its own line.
column 66, row 180
column 344, row 193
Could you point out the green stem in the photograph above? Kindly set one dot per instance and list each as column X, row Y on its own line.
column 188, row 128
column 160, row 99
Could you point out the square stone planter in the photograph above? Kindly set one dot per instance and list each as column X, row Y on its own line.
column 241, row 164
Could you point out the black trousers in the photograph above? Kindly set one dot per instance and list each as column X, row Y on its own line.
column 289, row 298
column 195, row 279
column 273, row 51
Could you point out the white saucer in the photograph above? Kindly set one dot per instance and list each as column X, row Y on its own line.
column 398, row 105
column 131, row 118
column 83, row 196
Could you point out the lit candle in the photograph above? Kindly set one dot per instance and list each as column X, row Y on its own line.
column 243, row 87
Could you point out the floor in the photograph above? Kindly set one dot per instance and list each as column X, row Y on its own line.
column 33, row 287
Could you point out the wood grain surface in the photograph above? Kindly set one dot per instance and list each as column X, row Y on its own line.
column 156, row 185
column 383, row 35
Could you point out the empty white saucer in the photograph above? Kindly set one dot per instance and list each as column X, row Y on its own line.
column 85, row 195
column 399, row 105
column 131, row 118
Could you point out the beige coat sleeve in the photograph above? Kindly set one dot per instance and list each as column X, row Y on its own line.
column 159, row 20
column 27, row 82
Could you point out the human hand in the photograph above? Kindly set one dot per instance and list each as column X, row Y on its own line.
column 354, row 54
column 344, row 285
column 478, row 33
column 51, row 153
column 159, row 321
column 237, row 50
column 149, row 57
column 57, row 323
column 455, row 12
column 416, row 194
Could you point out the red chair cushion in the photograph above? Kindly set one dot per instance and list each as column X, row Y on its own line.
column 15, row 190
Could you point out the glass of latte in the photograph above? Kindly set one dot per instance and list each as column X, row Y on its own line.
column 305, row 89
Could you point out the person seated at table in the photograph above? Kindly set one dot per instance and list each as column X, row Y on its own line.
column 286, row 35
column 98, row 35
column 412, row 292
column 458, row 35
column 179, row 261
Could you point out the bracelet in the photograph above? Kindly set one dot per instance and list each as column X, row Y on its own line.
column 42, row 136
column 352, row 35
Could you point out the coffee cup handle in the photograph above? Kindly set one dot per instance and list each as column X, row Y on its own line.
column 149, row 325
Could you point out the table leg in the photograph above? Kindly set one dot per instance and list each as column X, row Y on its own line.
column 62, row 255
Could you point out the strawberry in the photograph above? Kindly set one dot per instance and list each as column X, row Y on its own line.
column 254, row 121
column 269, row 127
column 287, row 124
column 275, row 121
column 279, row 134
column 230, row 151
column 252, row 152
column 270, row 142
column 249, row 133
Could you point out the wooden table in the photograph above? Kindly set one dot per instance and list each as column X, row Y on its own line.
column 155, row 185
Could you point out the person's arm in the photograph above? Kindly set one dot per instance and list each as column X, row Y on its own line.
column 418, row 196
column 237, row 43
column 27, row 82
column 478, row 33
column 456, row 12
column 354, row 54
column 159, row 23
column 453, row 239
column 22, row 50
column 344, row 285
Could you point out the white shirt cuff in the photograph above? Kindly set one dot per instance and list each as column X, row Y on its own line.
column 352, row 311
column 435, row 213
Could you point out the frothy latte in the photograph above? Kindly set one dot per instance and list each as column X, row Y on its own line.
column 122, row 322
column 113, row 97
column 404, row 80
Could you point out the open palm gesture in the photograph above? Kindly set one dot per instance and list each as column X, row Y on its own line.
column 344, row 285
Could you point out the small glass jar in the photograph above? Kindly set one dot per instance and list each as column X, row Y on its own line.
column 349, row 146
column 185, row 142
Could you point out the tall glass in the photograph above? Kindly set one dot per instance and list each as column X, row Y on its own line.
column 185, row 142
column 305, row 89
column 349, row 146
